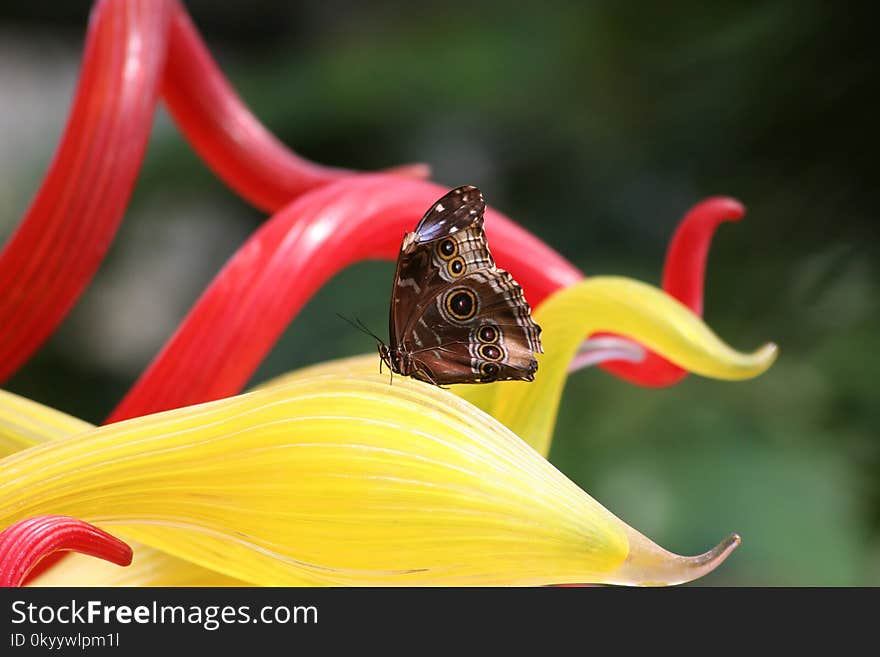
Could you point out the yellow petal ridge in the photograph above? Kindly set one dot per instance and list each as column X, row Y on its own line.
column 24, row 423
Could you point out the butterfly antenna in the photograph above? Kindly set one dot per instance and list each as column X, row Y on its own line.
column 368, row 331
column 359, row 325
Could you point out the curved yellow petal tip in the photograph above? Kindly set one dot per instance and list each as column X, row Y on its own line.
column 766, row 356
column 648, row 564
column 625, row 307
column 746, row 365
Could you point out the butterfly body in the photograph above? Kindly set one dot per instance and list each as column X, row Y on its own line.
column 455, row 317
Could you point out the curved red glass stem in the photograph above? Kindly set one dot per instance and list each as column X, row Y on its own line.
column 684, row 275
column 684, row 272
column 229, row 138
column 264, row 285
column 239, row 149
column 65, row 233
column 28, row 542
column 72, row 220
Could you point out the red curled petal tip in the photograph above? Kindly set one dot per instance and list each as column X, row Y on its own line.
column 27, row 542
column 684, row 272
column 684, row 276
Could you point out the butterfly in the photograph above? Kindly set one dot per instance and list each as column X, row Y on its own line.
column 455, row 317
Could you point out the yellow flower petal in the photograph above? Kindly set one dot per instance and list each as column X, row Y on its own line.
column 24, row 423
column 618, row 305
column 339, row 480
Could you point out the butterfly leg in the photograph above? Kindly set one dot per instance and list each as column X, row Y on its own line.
column 430, row 379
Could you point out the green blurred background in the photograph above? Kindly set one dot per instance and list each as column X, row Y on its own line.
column 596, row 125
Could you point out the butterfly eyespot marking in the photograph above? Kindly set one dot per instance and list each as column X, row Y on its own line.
column 488, row 334
column 490, row 352
column 489, row 370
column 447, row 249
column 455, row 267
column 461, row 304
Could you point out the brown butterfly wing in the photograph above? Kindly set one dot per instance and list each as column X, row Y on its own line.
column 455, row 211
column 460, row 318
column 476, row 330
column 447, row 242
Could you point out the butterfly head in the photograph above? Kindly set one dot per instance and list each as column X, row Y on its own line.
column 397, row 361
column 385, row 354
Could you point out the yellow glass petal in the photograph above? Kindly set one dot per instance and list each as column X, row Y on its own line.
column 618, row 305
column 24, row 423
column 339, row 480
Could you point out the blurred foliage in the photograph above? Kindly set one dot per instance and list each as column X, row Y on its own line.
column 596, row 125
